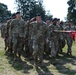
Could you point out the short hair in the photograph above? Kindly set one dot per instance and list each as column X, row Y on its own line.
column 55, row 19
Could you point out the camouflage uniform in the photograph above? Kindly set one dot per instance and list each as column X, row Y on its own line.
column 21, row 36
column 69, row 39
column 61, row 39
column 4, row 34
column 54, row 39
column 38, row 35
column 17, row 27
column 28, row 41
column 9, row 36
column 47, row 49
column 3, row 30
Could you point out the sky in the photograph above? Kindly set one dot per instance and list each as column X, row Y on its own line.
column 58, row 8
column 11, row 4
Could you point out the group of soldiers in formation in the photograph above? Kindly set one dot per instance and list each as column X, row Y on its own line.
column 35, row 37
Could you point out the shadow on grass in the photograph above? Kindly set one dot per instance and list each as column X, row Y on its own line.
column 64, row 59
column 20, row 65
column 43, row 71
column 68, row 59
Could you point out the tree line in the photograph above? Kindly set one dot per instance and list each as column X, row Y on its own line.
column 29, row 8
column 4, row 12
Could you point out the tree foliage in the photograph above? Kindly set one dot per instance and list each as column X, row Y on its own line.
column 4, row 13
column 29, row 8
column 72, row 11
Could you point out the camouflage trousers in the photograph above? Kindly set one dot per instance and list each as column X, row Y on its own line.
column 54, row 47
column 15, row 45
column 38, row 50
column 18, row 45
column 69, row 44
column 61, row 45
column 28, row 47
column 61, row 42
column 10, row 44
column 6, row 43
column 47, row 49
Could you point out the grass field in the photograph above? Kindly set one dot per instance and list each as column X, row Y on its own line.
column 66, row 64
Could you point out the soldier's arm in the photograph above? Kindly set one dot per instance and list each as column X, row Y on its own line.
column 7, row 27
column 12, row 24
column 29, row 21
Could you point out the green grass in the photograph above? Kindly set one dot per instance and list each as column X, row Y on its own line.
column 66, row 64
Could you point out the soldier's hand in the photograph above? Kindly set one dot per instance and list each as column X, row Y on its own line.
column 33, row 19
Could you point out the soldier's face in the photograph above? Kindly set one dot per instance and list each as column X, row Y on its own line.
column 58, row 22
column 18, row 16
column 54, row 22
column 38, row 17
column 47, row 21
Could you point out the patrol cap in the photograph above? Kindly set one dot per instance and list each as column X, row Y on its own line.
column 55, row 19
column 17, row 13
column 58, row 19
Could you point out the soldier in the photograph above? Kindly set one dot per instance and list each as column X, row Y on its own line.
column 54, row 38
column 26, row 44
column 2, row 30
column 4, row 34
column 49, row 21
column 27, row 37
column 62, row 37
column 9, row 33
column 69, row 38
column 62, row 25
column 38, row 35
column 17, row 28
column 46, row 46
